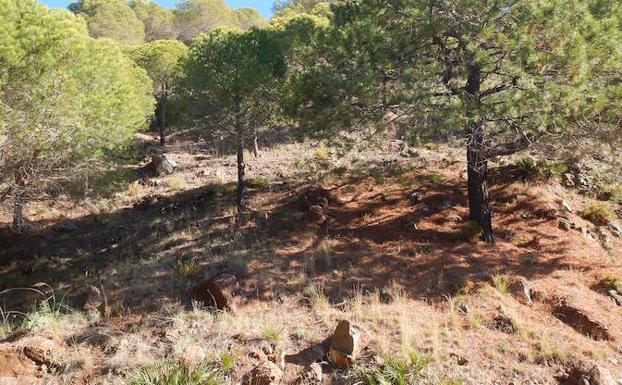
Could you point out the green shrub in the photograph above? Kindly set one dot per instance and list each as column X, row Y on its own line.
column 616, row 195
column 611, row 283
column 227, row 362
column 532, row 171
column 598, row 213
column 395, row 371
column 258, row 182
column 501, row 282
column 170, row 373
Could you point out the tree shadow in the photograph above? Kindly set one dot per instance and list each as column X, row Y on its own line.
column 359, row 235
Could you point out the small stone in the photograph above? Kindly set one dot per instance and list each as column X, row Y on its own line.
column 311, row 375
column 266, row 373
column 416, row 197
column 523, row 290
column 456, row 218
column 569, row 180
column 504, row 324
column 345, row 345
column 275, row 355
column 615, row 230
column 565, row 206
column 617, row 298
column 564, row 225
column 386, row 296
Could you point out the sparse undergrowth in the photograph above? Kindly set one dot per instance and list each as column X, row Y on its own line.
column 599, row 213
column 172, row 373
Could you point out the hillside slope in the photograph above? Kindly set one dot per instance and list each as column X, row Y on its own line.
column 378, row 237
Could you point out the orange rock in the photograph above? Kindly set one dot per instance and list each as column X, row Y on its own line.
column 345, row 345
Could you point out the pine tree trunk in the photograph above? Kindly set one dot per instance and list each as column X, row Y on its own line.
column 241, row 172
column 162, row 118
column 19, row 191
column 477, row 164
column 255, row 144
column 479, row 206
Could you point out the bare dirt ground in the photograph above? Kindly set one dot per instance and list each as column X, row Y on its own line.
column 377, row 237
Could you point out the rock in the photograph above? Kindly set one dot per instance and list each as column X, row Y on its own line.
column 582, row 374
column 504, row 324
column 580, row 321
column 617, row 297
column 345, row 345
column 266, row 373
column 601, row 376
column 564, row 225
column 385, row 295
column 99, row 336
column 456, row 218
column 217, row 292
column 94, row 299
column 416, row 197
column 274, row 355
column 15, row 363
column 85, row 298
column 162, row 164
column 565, row 206
column 522, row 289
column 569, row 180
column 615, row 229
column 311, row 375
column 583, row 182
column 460, row 360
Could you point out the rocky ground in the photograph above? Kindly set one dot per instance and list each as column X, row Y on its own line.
column 377, row 237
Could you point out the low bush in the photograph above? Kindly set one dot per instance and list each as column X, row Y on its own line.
column 171, row 373
column 598, row 213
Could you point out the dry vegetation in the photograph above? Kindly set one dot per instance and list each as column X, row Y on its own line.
column 377, row 238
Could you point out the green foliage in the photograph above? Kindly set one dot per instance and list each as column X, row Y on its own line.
column 533, row 171
column 227, row 362
column 247, row 18
column 193, row 17
column 611, row 283
column 73, row 104
column 599, row 213
column 231, row 78
column 395, row 371
column 616, row 194
column 113, row 19
column 157, row 21
column 169, row 373
column 160, row 59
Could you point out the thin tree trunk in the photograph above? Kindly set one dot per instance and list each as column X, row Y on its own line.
column 241, row 172
column 162, row 118
column 255, row 143
column 19, row 191
column 477, row 164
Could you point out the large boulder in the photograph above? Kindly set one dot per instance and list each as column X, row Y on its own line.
column 162, row 164
column 345, row 345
